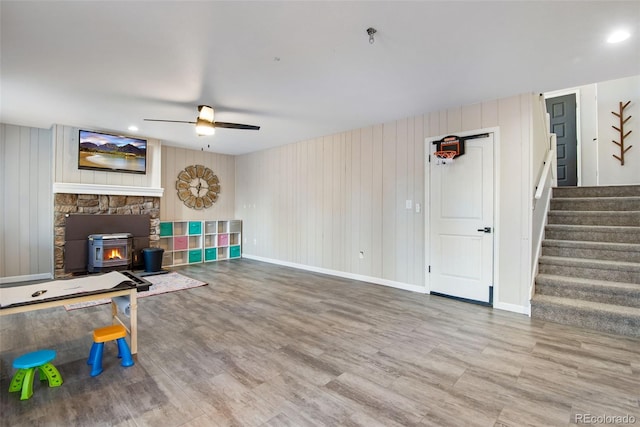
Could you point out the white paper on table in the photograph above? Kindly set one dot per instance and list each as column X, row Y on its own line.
column 60, row 288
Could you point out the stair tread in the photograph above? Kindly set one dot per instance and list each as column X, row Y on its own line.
column 596, row 203
column 558, row 260
column 600, row 190
column 587, row 305
column 588, row 282
column 586, row 244
column 598, row 213
column 597, row 198
column 608, row 228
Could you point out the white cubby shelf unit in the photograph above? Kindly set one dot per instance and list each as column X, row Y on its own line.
column 191, row 242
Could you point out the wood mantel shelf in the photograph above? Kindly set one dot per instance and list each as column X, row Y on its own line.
column 116, row 190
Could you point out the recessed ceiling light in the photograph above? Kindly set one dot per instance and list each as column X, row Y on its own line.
column 618, row 36
column 133, row 128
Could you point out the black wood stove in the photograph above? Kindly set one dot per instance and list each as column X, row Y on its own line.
column 109, row 252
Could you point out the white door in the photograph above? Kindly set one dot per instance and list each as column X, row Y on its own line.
column 461, row 223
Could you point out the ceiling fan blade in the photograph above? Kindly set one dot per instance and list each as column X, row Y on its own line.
column 235, row 126
column 169, row 121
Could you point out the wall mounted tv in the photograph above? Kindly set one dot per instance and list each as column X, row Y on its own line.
column 114, row 153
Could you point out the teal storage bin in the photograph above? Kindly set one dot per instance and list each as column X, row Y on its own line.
column 166, row 229
column 210, row 254
column 195, row 227
column 234, row 252
column 195, row 255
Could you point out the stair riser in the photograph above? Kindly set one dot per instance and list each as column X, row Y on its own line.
column 615, row 324
column 593, row 236
column 601, row 295
column 590, row 273
column 586, row 218
column 617, row 191
column 609, row 255
column 595, row 204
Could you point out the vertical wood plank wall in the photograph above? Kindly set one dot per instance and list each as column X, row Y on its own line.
column 26, row 202
column 319, row 203
column 173, row 161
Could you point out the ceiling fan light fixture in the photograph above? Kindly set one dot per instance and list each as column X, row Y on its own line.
column 205, row 113
column 204, row 127
column 205, row 124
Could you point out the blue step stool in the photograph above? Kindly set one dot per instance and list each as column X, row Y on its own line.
column 102, row 335
column 26, row 366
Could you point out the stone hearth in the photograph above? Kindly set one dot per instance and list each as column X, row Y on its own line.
column 65, row 204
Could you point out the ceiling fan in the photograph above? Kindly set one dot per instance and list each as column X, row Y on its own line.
column 205, row 124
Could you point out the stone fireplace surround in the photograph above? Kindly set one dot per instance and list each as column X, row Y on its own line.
column 96, row 204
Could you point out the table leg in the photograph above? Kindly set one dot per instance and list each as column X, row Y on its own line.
column 114, row 312
column 133, row 320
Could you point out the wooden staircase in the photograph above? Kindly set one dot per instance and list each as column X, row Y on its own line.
column 589, row 271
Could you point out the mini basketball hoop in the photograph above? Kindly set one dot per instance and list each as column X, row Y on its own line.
column 444, row 157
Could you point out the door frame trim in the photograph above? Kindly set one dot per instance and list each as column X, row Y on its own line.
column 576, row 92
column 496, row 202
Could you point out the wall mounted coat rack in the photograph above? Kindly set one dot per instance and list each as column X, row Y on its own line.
column 620, row 129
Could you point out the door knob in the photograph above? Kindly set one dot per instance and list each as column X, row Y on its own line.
column 485, row 230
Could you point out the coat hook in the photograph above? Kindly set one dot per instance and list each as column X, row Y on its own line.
column 620, row 129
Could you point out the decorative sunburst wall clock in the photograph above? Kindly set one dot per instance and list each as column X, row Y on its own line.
column 198, row 187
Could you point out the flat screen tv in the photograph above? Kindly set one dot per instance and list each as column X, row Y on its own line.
column 115, row 153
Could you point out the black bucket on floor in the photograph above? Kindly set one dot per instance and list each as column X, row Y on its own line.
column 152, row 259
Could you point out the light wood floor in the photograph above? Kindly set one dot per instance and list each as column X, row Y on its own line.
column 265, row 345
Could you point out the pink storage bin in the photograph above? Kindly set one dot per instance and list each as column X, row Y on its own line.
column 180, row 243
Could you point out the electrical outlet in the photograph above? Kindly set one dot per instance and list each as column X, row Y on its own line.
column 418, row 207
column 361, row 255
column 408, row 204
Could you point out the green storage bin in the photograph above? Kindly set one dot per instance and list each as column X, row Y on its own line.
column 166, row 229
column 210, row 254
column 195, row 255
column 195, row 227
column 234, row 252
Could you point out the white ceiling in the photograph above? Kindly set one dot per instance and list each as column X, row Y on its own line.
column 297, row 69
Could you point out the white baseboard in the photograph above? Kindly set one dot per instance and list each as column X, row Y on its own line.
column 521, row 309
column 26, row 278
column 377, row 281
column 343, row 274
